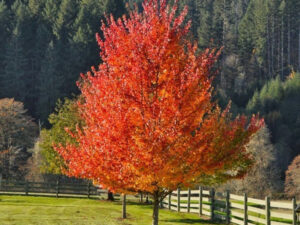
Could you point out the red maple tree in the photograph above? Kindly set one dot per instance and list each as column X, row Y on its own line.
column 151, row 123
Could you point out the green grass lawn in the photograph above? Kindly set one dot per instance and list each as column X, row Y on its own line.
column 27, row 210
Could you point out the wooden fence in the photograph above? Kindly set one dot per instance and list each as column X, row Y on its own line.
column 231, row 208
column 226, row 207
column 57, row 189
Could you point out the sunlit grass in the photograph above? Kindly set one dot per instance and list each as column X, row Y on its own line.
column 28, row 210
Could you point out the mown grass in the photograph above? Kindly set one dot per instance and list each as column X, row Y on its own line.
column 28, row 210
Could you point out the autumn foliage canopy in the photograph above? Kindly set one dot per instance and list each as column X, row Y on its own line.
column 150, row 122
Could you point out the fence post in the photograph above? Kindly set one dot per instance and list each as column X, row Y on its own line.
column 212, row 206
column 227, row 207
column 57, row 188
column 89, row 190
column 294, row 211
column 268, row 219
column 200, row 200
column 189, row 201
column 26, row 188
column 245, row 209
column 169, row 201
column 124, row 206
column 178, row 200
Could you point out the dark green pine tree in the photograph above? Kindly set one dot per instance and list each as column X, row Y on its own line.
column 268, row 38
column 23, row 20
column 292, row 31
column 90, row 13
column 35, row 7
column 205, row 35
column 14, row 74
column 63, row 25
column 15, row 77
column 9, row 2
column 42, row 38
column 83, row 48
column 253, row 40
column 25, row 24
column 49, row 12
column 218, row 23
column 115, row 7
column 68, row 55
column 232, row 75
column 83, row 42
column 5, row 32
column 5, row 25
column 50, row 83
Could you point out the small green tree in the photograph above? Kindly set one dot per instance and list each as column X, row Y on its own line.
column 65, row 115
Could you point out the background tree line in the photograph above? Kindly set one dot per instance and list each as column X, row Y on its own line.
column 46, row 44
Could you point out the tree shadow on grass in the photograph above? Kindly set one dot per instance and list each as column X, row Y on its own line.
column 134, row 203
column 187, row 221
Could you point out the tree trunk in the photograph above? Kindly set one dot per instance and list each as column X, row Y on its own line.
column 124, row 206
column 110, row 196
column 155, row 209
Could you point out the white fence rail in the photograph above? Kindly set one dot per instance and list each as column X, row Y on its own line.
column 232, row 208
